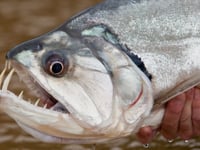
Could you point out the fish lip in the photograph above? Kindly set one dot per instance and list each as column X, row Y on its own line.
column 40, row 92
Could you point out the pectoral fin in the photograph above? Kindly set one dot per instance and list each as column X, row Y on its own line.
column 178, row 89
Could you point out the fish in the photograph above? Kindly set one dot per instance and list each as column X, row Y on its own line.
column 106, row 72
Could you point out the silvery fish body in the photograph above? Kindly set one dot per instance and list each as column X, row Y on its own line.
column 107, row 71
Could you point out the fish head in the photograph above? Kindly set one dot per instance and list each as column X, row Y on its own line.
column 91, row 91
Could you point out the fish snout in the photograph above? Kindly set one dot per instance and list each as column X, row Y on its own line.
column 32, row 45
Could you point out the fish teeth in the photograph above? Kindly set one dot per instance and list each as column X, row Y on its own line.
column 45, row 106
column 37, row 102
column 7, row 80
column 2, row 75
column 8, row 65
column 21, row 94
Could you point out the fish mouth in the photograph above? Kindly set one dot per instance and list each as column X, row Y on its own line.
column 42, row 97
column 45, row 118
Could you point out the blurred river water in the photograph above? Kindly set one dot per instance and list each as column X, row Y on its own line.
column 21, row 20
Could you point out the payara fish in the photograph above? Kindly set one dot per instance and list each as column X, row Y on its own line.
column 106, row 72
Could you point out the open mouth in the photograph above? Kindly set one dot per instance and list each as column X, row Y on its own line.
column 44, row 99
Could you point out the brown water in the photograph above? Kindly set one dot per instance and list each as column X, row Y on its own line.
column 21, row 20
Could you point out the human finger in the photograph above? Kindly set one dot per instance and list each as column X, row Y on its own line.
column 170, row 122
column 185, row 130
column 196, row 112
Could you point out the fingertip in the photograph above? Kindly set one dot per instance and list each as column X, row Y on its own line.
column 146, row 131
column 196, row 112
column 170, row 122
column 145, row 135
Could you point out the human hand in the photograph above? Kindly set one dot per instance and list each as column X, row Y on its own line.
column 181, row 118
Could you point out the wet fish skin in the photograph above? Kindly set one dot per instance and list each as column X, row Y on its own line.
column 163, row 35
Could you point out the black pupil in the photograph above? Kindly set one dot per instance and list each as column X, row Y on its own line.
column 57, row 68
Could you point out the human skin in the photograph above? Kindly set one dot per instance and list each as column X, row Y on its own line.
column 181, row 118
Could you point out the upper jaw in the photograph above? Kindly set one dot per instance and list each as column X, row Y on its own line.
column 43, row 98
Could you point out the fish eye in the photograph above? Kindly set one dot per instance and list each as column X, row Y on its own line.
column 55, row 65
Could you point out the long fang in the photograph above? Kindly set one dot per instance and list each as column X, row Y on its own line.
column 37, row 102
column 21, row 94
column 45, row 106
column 7, row 80
column 2, row 75
column 8, row 65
